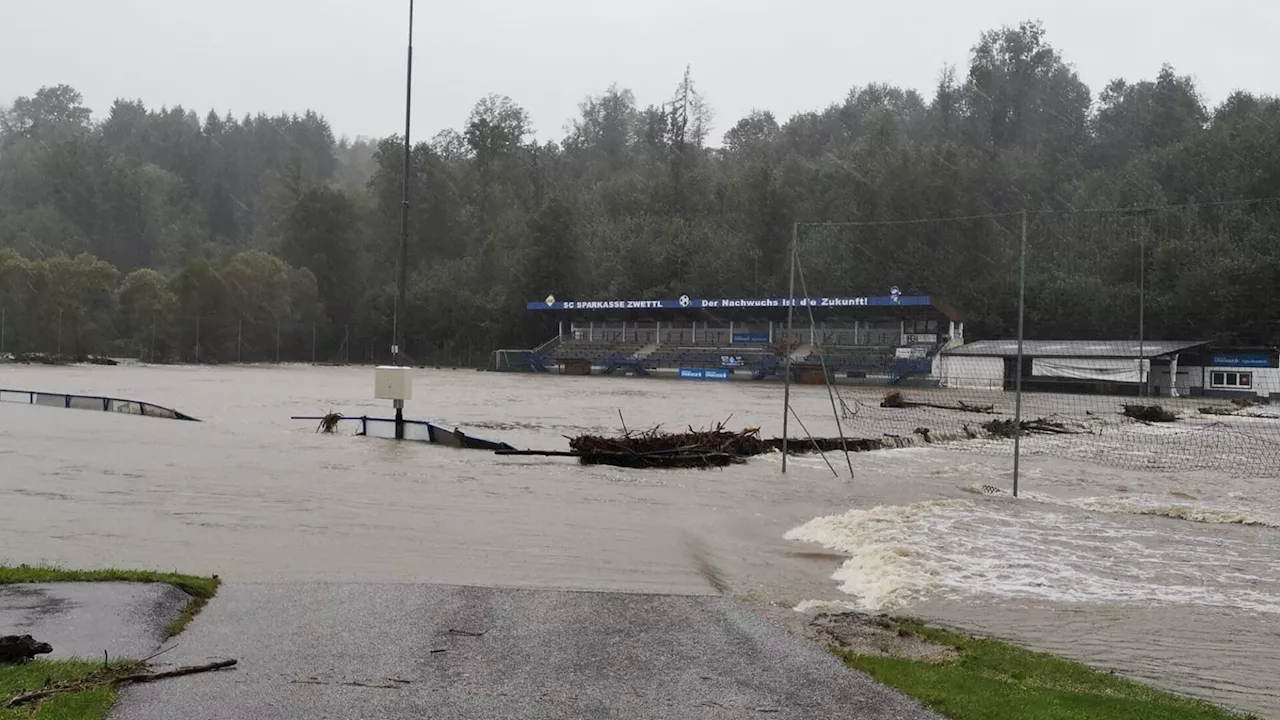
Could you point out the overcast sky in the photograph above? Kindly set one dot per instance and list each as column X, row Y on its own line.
column 345, row 58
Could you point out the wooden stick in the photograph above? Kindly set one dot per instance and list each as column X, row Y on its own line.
column 28, row 698
column 177, row 672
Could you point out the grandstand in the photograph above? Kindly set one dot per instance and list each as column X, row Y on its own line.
column 889, row 338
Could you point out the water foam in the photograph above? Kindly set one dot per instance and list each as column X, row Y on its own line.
column 1234, row 511
column 1004, row 548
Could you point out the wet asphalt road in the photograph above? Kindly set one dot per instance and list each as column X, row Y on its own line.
column 446, row 652
column 84, row 619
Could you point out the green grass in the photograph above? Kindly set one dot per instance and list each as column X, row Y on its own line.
column 201, row 589
column 91, row 703
column 993, row 680
column 90, row 693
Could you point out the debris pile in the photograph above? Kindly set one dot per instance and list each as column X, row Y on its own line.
column 1007, row 428
column 654, row 448
column 896, row 399
column 38, row 358
column 1149, row 413
column 716, row 447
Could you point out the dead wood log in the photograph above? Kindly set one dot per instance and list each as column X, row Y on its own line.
column 176, row 672
column 896, row 399
column 31, row 697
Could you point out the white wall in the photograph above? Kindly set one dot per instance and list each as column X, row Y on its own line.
column 969, row 372
column 1266, row 381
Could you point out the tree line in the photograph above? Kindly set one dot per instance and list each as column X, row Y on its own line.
column 271, row 220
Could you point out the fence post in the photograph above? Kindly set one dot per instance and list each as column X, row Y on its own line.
column 197, row 339
column 313, row 343
column 1017, row 382
column 277, row 341
column 59, row 331
column 2, row 319
column 239, row 334
column 151, row 358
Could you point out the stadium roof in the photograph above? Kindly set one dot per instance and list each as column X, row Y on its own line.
column 1075, row 348
column 684, row 302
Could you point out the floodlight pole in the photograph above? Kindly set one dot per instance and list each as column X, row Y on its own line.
column 1017, row 401
column 1142, row 316
column 786, row 364
column 397, row 321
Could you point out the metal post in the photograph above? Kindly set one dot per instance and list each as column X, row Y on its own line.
column 313, row 343
column 2, row 319
column 59, row 331
column 152, row 357
column 197, row 339
column 398, row 322
column 786, row 363
column 1017, row 382
column 239, row 334
column 1142, row 314
column 277, row 341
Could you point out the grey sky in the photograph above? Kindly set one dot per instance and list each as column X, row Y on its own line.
column 345, row 58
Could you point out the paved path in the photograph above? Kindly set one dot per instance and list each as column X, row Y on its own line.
column 449, row 652
column 83, row 619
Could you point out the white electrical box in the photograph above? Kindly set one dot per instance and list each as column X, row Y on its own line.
column 392, row 383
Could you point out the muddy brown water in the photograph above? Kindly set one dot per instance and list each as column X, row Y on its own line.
column 1172, row 577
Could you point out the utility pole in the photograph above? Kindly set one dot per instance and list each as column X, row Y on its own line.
column 398, row 317
column 786, row 363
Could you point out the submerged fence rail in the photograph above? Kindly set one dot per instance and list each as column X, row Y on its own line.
column 91, row 402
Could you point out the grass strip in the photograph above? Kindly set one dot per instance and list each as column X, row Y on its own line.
column 994, row 680
column 90, row 691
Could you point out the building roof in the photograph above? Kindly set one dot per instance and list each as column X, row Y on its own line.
column 1075, row 348
column 685, row 303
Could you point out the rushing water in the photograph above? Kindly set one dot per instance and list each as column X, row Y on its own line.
column 1174, row 578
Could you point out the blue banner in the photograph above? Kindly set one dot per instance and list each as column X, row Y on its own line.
column 687, row 303
column 703, row 374
column 749, row 338
column 1261, row 360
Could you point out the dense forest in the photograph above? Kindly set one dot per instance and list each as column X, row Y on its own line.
column 161, row 231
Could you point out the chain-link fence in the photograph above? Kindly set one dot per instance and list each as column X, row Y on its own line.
column 1140, row 339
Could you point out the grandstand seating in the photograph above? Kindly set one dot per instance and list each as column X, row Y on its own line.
column 704, row 357
column 679, row 351
column 598, row 352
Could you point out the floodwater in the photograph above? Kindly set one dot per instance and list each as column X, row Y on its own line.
column 1172, row 577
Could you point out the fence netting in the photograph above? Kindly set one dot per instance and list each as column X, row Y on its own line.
column 1148, row 336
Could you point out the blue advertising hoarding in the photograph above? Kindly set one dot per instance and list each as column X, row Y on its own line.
column 703, row 374
column 749, row 338
column 687, row 303
column 1260, row 360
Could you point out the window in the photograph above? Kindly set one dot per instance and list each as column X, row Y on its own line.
column 1231, row 380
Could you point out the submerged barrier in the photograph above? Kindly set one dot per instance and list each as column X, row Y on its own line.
column 91, row 402
column 419, row 430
